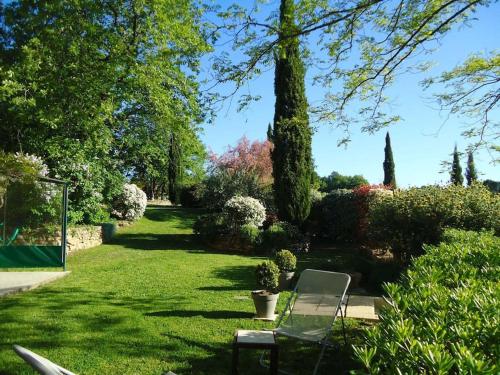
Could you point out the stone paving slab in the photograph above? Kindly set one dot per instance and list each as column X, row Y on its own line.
column 14, row 282
column 364, row 307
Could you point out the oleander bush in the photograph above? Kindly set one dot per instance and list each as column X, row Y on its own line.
column 444, row 317
column 130, row 204
column 410, row 218
column 244, row 210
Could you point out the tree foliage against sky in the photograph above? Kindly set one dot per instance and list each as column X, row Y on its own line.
column 85, row 83
column 363, row 45
column 337, row 181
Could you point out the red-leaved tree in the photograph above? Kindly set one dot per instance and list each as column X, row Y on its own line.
column 249, row 157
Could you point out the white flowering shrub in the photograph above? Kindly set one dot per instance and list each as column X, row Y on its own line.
column 244, row 210
column 131, row 204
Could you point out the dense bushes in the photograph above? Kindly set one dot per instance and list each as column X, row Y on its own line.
column 222, row 185
column 445, row 314
column 130, row 204
column 342, row 214
column 419, row 215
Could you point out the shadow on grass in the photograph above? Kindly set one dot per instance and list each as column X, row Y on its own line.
column 215, row 314
column 241, row 278
column 153, row 241
column 183, row 216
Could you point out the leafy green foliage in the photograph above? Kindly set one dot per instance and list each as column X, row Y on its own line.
column 267, row 275
column 337, row 181
column 292, row 137
column 280, row 234
column 444, row 317
column 456, row 169
column 363, row 47
column 471, row 89
column 250, row 235
column 222, row 185
column 336, row 216
column 285, row 260
column 389, row 172
column 494, row 186
column 417, row 216
column 84, row 84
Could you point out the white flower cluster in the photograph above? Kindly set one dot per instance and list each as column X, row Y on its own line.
column 36, row 161
column 48, row 190
column 131, row 204
column 244, row 210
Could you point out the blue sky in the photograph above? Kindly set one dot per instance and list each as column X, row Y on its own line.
column 420, row 142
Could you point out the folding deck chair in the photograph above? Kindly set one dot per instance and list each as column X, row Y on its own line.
column 313, row 308
column 41, row 365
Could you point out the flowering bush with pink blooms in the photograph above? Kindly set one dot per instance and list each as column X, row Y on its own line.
column 244, row 170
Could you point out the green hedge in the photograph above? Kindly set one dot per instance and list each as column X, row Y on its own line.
column 410, row 218
column 445, row 316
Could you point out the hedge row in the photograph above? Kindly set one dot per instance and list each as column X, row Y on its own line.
column 406, row 219
column 444, row 317
column 417, row 216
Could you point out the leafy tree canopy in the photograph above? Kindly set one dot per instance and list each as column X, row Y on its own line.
column 338, row 181
column 82, row 81
column 363, row 46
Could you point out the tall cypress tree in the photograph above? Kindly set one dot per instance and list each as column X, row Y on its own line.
column 456, row 169
column 389, row 172
column 470, row 171
column 292, row 159
column 174, row 169
column 269, row 132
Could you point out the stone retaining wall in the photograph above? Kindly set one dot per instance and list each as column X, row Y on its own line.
column 84, row 237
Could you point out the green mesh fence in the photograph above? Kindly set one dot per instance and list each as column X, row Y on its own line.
column 32, row 224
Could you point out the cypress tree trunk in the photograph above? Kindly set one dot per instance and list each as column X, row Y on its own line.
column 174, row 169
column 470, row 171
column 389, row 171
column 456, row 170
column 292, row 159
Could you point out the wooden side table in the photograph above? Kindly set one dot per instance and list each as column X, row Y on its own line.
column 264, row 340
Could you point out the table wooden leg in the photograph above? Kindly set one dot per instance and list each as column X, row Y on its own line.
column 274, row 362
column 236, row 350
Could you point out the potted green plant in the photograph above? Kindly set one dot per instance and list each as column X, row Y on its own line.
column 265, row 299
column 287, row 263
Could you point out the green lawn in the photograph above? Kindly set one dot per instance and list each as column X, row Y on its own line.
column 154, row 300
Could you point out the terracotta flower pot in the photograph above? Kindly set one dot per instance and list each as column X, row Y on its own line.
column 265, row 304
column 284, row 280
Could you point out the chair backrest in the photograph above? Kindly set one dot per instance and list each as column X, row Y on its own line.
column 317, row 299
column 41, row 365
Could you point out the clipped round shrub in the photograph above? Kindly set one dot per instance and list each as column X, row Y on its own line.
column 130, row 204
column 285, row 260
column 267, row 274
column 244, row 210
column 250, row 235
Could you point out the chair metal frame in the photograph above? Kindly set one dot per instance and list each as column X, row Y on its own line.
column 324, row 342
